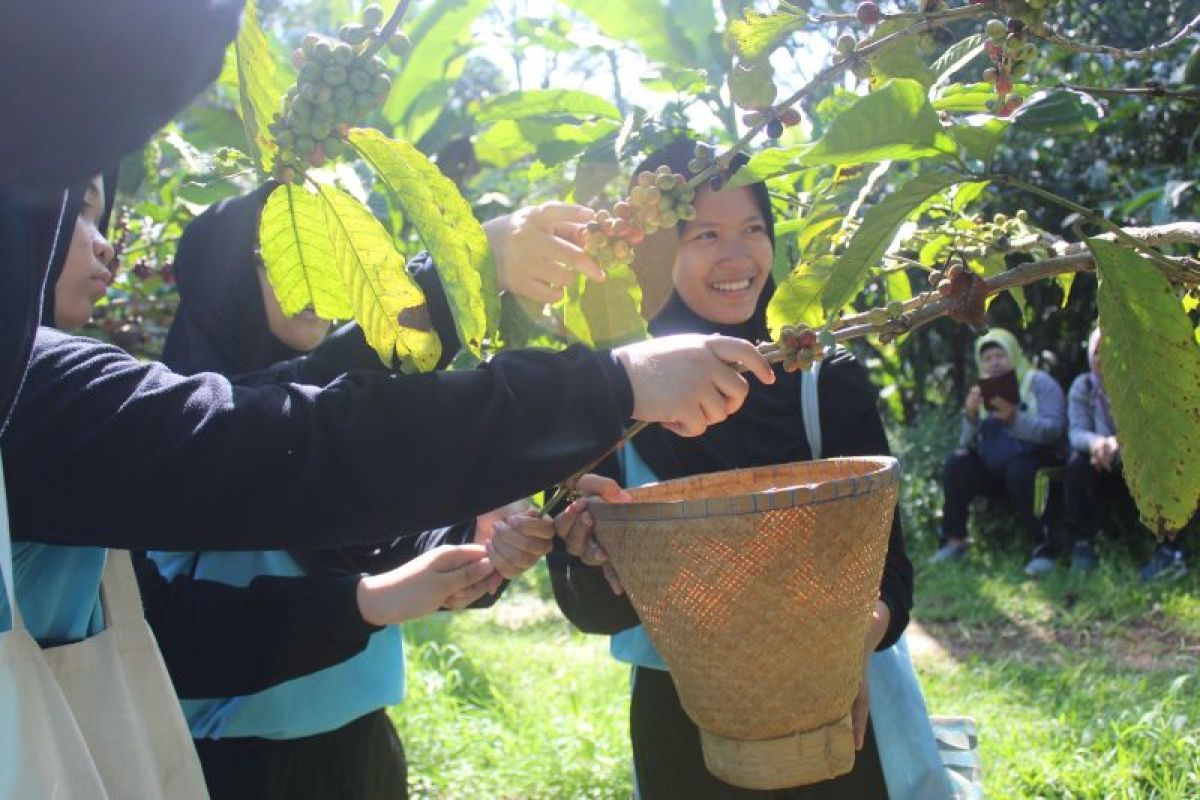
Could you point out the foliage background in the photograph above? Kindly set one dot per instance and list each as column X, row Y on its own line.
column 643, row 70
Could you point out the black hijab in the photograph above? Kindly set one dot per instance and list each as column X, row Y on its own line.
column 221, row 325
column 768, row 429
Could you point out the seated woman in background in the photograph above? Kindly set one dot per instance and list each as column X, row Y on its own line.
column 1002, row 447
column 1094, row 480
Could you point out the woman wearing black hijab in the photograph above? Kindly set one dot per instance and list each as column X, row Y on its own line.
column 721, row 284
column 308, row 733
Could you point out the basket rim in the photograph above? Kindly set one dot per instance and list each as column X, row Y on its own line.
column 885, row 473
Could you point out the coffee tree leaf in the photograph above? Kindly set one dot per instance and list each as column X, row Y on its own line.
column 798, row 297
column 1151, row 365
column 299, row 255
column 261, row 86
column 545, row 103
column 752, row 83
column 877, row 231
column 608, row 313
column 1058, row 112
column 387, row 302
column 757, row 34
column 446, row 226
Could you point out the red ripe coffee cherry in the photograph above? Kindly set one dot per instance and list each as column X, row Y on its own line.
column 868, row 13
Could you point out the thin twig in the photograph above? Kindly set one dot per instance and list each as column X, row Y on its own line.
column 1190, row 95
column 1151, row 52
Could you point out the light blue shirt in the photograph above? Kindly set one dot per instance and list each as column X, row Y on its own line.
column 316, row 703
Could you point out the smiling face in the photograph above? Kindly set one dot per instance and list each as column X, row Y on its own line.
column 724, row 256
column 85, row 276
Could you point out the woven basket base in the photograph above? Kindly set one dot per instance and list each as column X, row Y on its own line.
column 794, row 760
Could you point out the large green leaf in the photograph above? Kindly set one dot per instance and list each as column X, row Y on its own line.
column 509, row 141
column 957, row 56
column 649, row 26
column 979, row 136
column 299, row 255
column 894, row 123
column 387, row 302
column 1152, row 374
column 545, row 103
column 1058, row 112
column 697, row 21
column 798, row 297
column 443, row 219
column 261, row 85
column 757, row 34
column 420, row 90
column 900, row 59
column 869, row 243
column 752, row 83
column 972, row 98
column 605, row 314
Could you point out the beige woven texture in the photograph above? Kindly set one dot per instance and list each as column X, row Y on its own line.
column 756, row 586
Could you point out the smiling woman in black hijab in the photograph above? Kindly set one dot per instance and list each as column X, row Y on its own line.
column 721, row 283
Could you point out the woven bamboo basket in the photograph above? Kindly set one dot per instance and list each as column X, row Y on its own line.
column 756, row 586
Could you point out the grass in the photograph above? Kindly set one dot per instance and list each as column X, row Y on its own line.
column 1081, row 687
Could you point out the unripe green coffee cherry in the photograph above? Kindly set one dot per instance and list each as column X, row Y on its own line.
column 359, row 80
column 343, row 54
column 400, row 44
column 372, row 15
column 895, row 308
column 310, row 72
column 846, row 44
column 381, row 84
column 353, row 34
column 996, row 30
column 304, row 144
column 335, row 75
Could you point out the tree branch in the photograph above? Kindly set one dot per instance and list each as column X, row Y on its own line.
column 929, row 22
column 1190, row 95
column 1153, row 51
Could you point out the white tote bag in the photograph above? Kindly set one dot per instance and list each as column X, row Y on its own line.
column 93, row 720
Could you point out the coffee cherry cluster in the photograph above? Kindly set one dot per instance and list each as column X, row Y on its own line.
column 338, row 85
column 949, row 281
column 1011, row 54
column 658, row 201
column 802, row 346
column 777, row 119
column 1001, row 232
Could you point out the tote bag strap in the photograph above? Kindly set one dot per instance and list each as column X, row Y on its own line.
column 810, row 408
column 6, row 560
column 119, row 590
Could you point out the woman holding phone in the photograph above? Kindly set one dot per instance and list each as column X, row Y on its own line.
column 1003, row 444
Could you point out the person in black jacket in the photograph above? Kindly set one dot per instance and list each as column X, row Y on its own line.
column 263, row 744
column 105, row 408
column 721, row 278
column 155, row 459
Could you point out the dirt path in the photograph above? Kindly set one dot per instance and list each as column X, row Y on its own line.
column 1147, row 645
